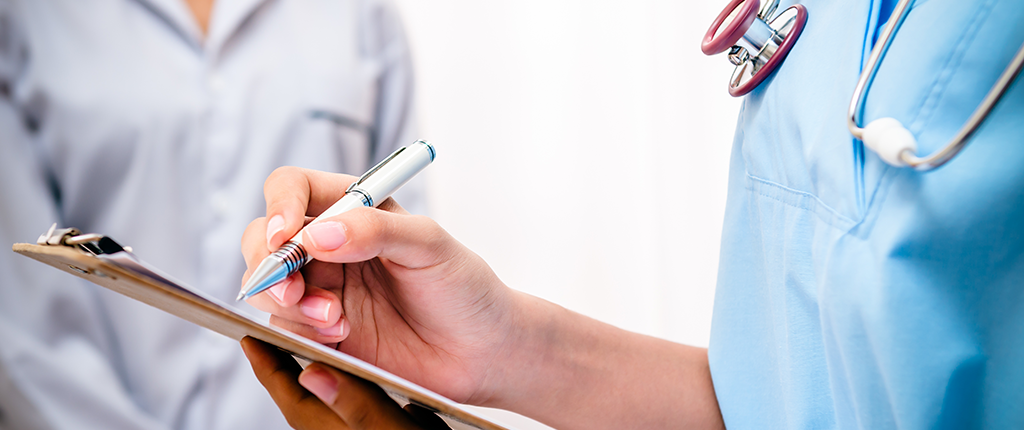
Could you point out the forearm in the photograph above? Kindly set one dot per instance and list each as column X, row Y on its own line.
column 571, row 371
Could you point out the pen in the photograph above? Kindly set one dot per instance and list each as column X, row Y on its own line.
column 375, row 186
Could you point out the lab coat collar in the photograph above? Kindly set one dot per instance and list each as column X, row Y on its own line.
column 179, row 17
column 227, row 16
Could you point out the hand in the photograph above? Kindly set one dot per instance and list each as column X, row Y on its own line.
column 397, row 291
column 342, row 401
column 387, row 287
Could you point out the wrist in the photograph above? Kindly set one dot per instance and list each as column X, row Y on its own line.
column 571, row 371
column 526, row 323
column 546, row 346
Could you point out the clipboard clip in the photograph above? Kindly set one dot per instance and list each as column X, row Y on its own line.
column 95, row 244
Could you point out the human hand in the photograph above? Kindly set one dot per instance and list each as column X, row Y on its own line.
column 342, row 401
column 397, row 291
column 390, row 288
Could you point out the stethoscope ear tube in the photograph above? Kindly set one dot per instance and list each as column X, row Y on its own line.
column 888, row 137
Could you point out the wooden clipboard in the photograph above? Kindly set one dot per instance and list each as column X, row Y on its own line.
column 102, row 261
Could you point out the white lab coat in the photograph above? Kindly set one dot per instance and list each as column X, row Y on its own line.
column 116, row 117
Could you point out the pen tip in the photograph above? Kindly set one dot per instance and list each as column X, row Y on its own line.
column 241, row 296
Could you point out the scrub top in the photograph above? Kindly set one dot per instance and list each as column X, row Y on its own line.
column 118, row 117
column 855, row 295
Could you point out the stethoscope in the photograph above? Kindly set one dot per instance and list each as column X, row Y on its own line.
column 758, row 41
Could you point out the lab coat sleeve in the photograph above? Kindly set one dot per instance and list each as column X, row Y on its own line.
column 383, row 38
column 56, row 370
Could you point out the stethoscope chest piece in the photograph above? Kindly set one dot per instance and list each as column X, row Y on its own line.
column 755, row 46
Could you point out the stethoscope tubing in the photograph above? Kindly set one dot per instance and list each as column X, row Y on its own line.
column 947, row 152
column 868, row 76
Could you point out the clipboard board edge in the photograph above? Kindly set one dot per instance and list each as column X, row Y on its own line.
column 111, row 277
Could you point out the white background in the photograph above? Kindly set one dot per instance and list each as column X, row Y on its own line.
column 582, row 151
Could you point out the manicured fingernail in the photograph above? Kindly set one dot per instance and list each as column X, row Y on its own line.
column 317, row 308
column 336, row 330
column 320, row 383
column 275, row 225
column 326, row 236
column 277, row 291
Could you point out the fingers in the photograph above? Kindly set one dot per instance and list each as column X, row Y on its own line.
column 360, row 404
column 339, row 401
column 390, row 205
column 278, row 372
column 287, row 293
column 318, row 308
column 292, row 299
column 333, row 334
column 288, row 192
column 361, row 234
column 292, row 193
column 254, row 250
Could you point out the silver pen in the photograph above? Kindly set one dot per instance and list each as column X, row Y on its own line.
column 375, row 186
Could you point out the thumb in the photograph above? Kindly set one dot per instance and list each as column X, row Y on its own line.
column 412, row 241
column 361, row 404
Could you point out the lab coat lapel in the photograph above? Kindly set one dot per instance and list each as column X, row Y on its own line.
column 178, row 17
column 228, row 16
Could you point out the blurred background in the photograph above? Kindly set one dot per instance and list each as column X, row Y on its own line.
column 582, row 151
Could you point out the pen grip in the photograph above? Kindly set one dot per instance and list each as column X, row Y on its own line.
column 293, row 255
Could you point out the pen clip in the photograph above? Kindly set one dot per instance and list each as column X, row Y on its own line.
column 373, row 170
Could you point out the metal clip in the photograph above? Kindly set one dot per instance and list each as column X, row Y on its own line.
column 55, row 236
column 93, row 243
column 367, row 198
column 374, row 169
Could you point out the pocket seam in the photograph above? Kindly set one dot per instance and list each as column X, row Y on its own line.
column 799, row 199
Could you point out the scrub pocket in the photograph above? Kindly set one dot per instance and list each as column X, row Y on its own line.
column 793, row 136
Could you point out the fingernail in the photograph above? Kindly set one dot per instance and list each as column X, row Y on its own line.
column 275, row 225
column 336, row 330
column 320, row 383
column 326, row 236
column 277, row 291
column 317, row 308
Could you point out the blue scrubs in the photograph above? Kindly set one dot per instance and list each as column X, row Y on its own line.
column 853, row 294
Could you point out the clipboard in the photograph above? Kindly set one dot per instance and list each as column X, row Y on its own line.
column 102, row 261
